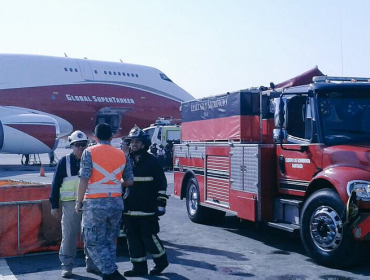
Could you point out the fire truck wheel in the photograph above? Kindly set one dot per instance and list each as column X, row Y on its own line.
column 196, row 212
column 324, row 237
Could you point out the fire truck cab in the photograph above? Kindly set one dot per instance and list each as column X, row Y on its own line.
column 296, row 158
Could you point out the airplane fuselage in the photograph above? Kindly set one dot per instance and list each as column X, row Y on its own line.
column 70, row 94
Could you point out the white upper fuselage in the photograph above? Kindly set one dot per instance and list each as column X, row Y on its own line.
column 22, row 71
column 43, row 98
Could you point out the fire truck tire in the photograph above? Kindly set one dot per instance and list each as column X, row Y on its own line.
column 196, row 212
column 324, row 237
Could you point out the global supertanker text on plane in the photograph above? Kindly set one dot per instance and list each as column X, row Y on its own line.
column 44, row 98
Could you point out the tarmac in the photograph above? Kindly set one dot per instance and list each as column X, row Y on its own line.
column 230, row 250
column 12, row 169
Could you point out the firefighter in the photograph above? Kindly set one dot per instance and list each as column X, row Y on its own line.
column 64, row 188
column 145, row 202
column 103, row 167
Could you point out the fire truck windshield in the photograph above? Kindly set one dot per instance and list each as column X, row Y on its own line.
column 344, row 117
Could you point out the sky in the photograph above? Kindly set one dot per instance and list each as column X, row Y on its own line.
column 207, row 47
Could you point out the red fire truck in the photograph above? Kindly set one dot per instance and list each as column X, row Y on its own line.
column 296, row 158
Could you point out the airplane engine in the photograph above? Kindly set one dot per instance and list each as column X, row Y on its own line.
column 28, row 134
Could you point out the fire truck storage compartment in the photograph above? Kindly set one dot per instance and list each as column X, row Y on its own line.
column 251, row 182
column 231, row 178
column 231, row 116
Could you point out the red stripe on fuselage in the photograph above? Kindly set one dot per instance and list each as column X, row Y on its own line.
column 147, row 106
column 44, row 133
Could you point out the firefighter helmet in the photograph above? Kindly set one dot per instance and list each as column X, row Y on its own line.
column 77, row 136
column 137, row 133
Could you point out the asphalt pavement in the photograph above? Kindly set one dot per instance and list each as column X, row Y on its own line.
column 229, row 250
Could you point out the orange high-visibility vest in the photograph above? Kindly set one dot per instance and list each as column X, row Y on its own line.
column 108, row 164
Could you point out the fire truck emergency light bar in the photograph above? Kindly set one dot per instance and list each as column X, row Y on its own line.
column 328, row 79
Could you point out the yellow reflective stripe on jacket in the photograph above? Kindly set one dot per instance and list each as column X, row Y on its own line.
column 138, row 213
column 143, row 179
column 68, row 190
column 143, row 259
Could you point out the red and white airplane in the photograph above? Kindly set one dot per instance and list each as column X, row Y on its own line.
column 44, row 98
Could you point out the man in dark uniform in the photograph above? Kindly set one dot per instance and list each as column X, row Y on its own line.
column 145, row 202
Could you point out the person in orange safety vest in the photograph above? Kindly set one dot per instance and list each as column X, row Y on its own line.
column 103, row 173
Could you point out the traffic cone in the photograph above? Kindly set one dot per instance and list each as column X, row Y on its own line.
column 42, row 171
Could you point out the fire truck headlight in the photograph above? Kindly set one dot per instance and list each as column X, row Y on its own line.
column 362, row 189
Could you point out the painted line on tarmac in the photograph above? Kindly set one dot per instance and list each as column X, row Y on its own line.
column 5, row 273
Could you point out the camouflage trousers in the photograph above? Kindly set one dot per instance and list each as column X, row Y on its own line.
column 100, row 228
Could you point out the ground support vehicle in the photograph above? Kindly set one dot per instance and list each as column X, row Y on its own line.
column 163, row 131
column 296, row 158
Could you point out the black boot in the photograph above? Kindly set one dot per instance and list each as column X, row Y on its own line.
column 114, row 276
column 138, row 269
column 160, row 264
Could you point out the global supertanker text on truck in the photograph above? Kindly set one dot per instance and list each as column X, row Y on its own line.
column 295, row 158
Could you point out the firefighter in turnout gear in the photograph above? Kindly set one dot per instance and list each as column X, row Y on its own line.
column 64, row 189
column 103, row 168
column 145, row 202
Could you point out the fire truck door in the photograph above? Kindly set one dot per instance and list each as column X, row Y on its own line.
column 300, row 159
column 218, row 175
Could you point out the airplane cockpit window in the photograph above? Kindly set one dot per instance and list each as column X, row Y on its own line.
column 164, row 77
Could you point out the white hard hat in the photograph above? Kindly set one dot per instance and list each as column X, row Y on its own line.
column 77, row 136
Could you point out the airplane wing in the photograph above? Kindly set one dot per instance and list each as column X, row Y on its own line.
column 24, row 132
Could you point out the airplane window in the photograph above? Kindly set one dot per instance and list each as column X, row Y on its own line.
column 76, row 70
column 96, row 71
column 114, row 73
column 110, row 72
column 70, row 69
column 65, row 69
column 132, row 75
column 119, row 73
column 137, row 76
column 123, row 73
column 105, row 72
column 128, row 74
